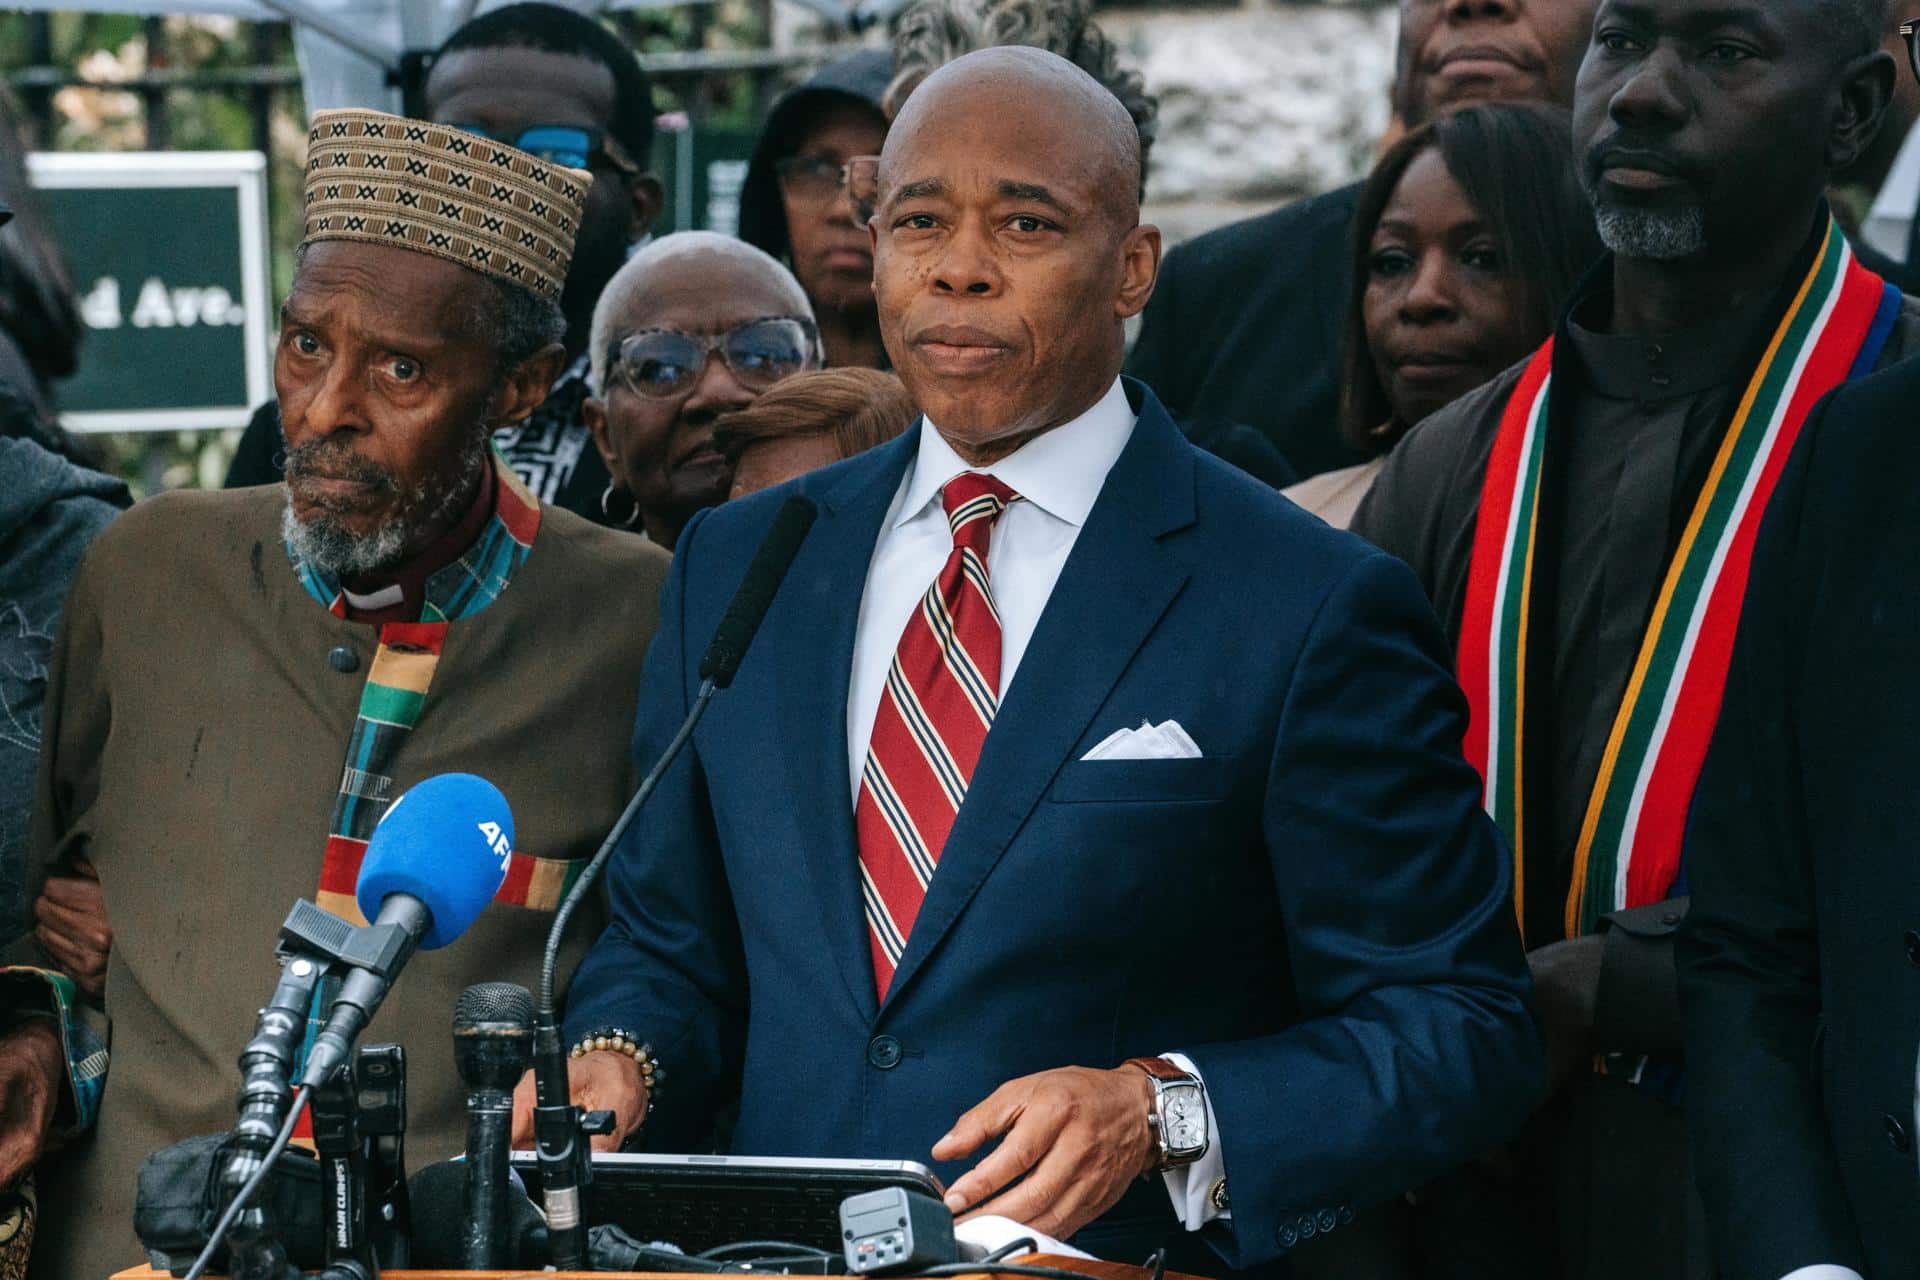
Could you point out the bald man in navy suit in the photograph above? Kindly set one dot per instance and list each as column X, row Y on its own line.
column 1085, row 813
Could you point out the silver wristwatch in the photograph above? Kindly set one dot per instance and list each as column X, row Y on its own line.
column 1179, row 1115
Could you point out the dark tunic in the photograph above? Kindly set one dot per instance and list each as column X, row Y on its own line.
column 1641, row 420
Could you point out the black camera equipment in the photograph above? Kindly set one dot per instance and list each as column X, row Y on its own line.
column 314, row 943
column 381, row 1070
column 343, row 1174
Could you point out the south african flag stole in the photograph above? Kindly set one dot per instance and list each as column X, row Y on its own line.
column 1628, row 853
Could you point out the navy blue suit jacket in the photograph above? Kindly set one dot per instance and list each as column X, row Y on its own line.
column 1317, row 911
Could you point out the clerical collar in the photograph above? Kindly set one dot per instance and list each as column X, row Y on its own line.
column 1673, row 366
column 463, row 572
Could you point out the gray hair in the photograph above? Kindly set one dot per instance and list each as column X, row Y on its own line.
column 928, row 34
column 524, row 322
column 631, row 278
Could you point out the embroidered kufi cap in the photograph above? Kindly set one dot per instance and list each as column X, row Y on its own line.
column 383, row 179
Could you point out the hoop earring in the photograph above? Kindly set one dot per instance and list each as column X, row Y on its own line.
column 631, row 519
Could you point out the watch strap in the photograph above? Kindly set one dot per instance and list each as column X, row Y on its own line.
column 1160, row 1069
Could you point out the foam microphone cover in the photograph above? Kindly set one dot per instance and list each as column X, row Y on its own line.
column 446, row 842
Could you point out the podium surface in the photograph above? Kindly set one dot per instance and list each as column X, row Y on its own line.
column 1092, row 1268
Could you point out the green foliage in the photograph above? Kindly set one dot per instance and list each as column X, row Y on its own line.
column 110, row 49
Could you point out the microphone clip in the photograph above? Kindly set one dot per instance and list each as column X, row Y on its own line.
column 380, row 949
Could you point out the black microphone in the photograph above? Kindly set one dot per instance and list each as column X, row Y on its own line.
column 750, row 603
column 438, row 1193
column 559, row 1135
column 492, row 1047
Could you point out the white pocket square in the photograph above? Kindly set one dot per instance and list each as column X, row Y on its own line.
column 1164, row 741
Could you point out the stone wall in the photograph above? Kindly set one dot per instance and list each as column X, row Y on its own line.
column 1259, row 104
column 1261, row 101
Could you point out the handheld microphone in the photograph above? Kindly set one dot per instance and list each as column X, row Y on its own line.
column 557, row 1126
column 492, row 1047
column 435, row 861
column 439, row 1194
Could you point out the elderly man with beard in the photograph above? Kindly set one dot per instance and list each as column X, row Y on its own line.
column 246, row 680
column 1584, row 524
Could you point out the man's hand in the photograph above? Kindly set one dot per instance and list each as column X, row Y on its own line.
column 1566, row 985
column 32, row 1065
column 70, row 921
column 1080, row 1137
column 603, row 1081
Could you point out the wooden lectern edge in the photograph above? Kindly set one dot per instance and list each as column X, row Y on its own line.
column 1093, row 1268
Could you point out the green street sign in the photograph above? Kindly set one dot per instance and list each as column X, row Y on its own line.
column 701, row 171
column 168, row 251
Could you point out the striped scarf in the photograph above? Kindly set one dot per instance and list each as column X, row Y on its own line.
column 1630, row 843
column 395, row 694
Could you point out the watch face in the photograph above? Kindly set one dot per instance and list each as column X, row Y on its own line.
column 1184, row 1117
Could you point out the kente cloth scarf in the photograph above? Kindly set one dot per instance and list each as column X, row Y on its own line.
column 1628, row 853
column 398, row 682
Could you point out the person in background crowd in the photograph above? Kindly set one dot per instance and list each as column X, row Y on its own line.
column 1797, row 987
column 694, row 326
column 556, row 84
column 393, row 606
column 977, row 866
column 931, row 33
column 1582, row 524
column 1469, row 236
column 50, row 509
column 793, row 203
column 810, row 421
column 1248, row 320
column 40, row 328
column 1855, row 187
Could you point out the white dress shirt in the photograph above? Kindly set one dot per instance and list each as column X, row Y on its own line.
column 1058, row 476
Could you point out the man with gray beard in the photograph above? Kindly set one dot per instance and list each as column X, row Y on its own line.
column 1583, row 525
column 246, row 680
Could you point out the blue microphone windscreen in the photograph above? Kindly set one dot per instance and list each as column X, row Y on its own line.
column 446, row 842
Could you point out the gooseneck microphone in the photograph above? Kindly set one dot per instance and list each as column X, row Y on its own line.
column 492, row 1048
column 435, row 861
column 559, row 1135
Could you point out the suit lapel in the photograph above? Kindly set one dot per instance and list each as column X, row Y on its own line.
column 830, row 575
column 1112, row 592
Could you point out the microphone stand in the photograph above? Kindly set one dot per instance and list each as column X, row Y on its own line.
column 561, row 1129
column 254, row 1251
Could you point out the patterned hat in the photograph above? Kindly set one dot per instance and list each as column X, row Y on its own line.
column 384, row 179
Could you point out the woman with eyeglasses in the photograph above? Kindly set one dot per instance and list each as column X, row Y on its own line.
column 696, row 325
column 794, row 204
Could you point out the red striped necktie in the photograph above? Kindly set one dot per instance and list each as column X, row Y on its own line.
column 942, row 692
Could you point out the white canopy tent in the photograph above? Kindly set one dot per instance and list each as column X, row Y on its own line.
column 351, row 51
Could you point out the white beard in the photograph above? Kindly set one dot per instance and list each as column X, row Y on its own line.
column 326, row 543
column 1653, row 235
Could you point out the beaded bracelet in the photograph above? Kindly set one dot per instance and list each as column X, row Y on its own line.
column 615, row 1040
